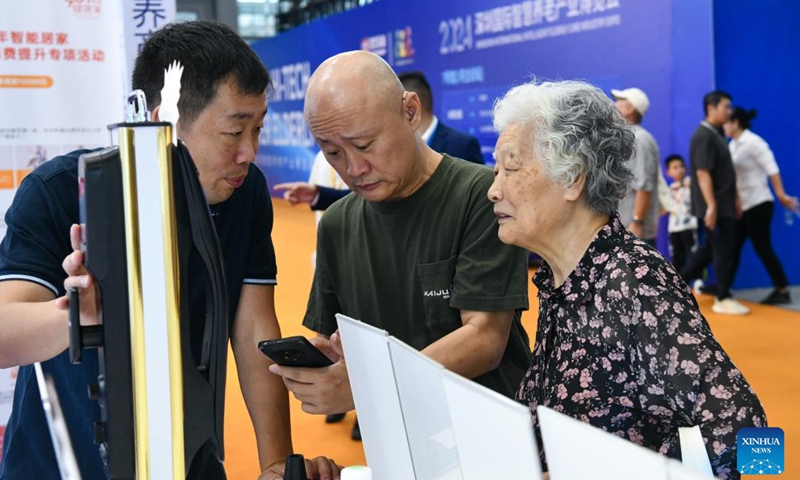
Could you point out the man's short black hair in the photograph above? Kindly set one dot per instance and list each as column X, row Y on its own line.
column 210, row 52
column 713, row 98
column 674, row 158
column 416, row 82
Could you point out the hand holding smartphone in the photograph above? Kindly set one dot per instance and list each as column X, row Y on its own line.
column 294, row 351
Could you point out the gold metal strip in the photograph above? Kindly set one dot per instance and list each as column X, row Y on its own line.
column 172, row 280
column 129, row 192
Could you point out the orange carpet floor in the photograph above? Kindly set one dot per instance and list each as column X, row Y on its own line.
column 764, row 345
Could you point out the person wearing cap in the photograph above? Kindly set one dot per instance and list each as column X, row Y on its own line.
column 639, row 210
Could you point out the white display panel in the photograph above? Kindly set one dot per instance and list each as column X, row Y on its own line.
column 575, row 449
column 369, row 366
column 603, row 456
column 426, row 413
column 494, row 434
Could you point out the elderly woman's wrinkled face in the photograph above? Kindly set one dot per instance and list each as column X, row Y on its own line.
column 525, row 201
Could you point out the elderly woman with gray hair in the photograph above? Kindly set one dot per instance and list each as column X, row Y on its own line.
column 620, row 342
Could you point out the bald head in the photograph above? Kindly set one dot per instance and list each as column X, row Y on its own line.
column 366, row 125
column 352, row 78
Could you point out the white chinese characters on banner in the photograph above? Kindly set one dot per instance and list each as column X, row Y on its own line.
column 141, row 18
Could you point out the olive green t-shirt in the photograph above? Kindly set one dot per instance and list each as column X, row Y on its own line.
column 409, row 266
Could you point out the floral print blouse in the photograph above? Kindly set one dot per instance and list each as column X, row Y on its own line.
column 621, row 344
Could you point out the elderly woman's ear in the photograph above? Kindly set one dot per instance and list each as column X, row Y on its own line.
column 574, row 192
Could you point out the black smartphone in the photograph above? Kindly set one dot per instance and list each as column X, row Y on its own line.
column 294, row 352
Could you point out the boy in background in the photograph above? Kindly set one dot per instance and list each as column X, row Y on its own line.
column 682, row 224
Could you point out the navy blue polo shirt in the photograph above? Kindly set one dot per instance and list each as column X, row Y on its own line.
column 35, row 245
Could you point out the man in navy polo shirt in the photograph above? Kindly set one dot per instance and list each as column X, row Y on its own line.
column 715, row 203
column 223, row 103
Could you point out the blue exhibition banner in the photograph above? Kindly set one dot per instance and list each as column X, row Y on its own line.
column 472, row 51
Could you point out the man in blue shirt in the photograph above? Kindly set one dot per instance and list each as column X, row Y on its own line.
column 222, row 105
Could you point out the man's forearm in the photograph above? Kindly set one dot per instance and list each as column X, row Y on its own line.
column 777, row 185
column 473, row 349
column 267, row 402
column 641, row 203
column 31, row 332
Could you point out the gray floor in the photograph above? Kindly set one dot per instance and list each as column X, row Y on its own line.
column 758, row 294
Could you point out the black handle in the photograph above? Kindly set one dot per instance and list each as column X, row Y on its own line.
column 80, row 337
column 75, row 346
column 295, row 468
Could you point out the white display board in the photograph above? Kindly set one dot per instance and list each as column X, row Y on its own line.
column 426, row 413
column 420, row 421
column 679, row 471
column 603, row 456
column 369, row 366
column 494, row 434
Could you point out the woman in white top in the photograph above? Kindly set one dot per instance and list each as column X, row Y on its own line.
column 754, row 164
